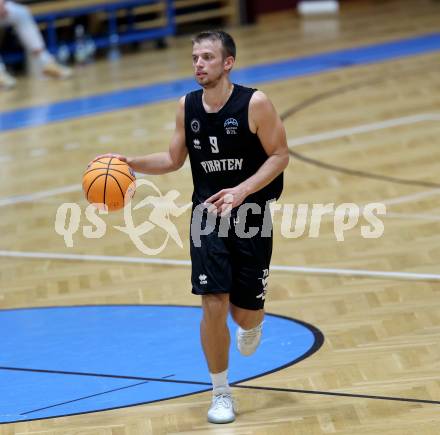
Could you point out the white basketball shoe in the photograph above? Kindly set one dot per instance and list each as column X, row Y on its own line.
column 249, row 339
column 222, row 407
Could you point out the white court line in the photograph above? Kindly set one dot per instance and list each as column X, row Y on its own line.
column 11, row 200
column 413, row 216
column 389, row 215
column 172, row 262
column 292, row 143
column 5, row 158
column 412, row 197
column 39, row 195
column 72, row 146
column 86, row 257
column 38, row 152
column 77, row 187
column 365, row 128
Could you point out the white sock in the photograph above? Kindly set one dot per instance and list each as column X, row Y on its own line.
column 220, row 381
column 254, row 328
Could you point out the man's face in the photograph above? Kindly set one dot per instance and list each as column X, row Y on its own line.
column 209, row 64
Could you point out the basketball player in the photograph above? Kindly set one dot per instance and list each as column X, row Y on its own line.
column 19, row 17
column 237, row 148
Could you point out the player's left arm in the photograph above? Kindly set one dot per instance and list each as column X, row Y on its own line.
column 265, row 121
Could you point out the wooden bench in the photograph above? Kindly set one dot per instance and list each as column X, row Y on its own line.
column 53, row 13
column 206, row 10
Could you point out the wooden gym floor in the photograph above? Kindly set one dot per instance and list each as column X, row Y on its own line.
column 379, row 127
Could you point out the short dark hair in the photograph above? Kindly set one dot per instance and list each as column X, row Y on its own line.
column 218, row 35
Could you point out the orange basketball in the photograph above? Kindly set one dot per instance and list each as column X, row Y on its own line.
column 107, row 181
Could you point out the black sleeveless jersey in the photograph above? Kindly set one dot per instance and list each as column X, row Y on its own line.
column 223, row 152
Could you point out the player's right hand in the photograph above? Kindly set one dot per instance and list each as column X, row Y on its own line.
column 116, row 156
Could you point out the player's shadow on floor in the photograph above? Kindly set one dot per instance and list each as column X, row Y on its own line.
column 250, row 402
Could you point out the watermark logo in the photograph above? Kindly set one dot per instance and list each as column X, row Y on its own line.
column 247, row 221
column 345, row 217
column 164, row 206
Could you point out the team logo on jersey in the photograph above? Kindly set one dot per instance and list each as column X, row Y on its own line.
column 264, row 281
column 231, row 126
column 196, row 143
column 195, row 125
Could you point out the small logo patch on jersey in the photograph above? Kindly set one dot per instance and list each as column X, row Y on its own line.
column 196, row 143
column 264, row 280
column 231, row 126
column 203, row 279
column 195, row 125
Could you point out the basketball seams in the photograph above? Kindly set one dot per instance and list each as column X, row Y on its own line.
column 103, row 190
column 120, row 188
column 105, row 163
column 111, row 169
column 94, row 169
column 105, row 181
column 91, row 184
column 123, row 173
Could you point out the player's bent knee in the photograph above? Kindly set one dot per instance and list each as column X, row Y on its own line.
column 18, row 13
column 246, row 318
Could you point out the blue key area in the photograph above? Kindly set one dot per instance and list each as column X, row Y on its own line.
column 71, row 360
column 288, row 69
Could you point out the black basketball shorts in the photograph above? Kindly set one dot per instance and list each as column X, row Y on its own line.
column 234, row 264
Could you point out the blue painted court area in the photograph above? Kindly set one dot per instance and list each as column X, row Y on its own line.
column 288, row 69
column 71, row 360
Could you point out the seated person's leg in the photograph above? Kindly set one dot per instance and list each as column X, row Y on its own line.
column 30, row 36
